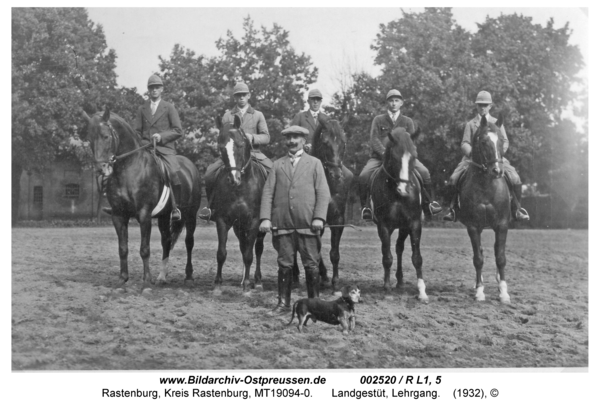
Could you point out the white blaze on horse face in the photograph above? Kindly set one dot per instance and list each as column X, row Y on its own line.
column 494, row 138
column 229, row 149
column 402, row 187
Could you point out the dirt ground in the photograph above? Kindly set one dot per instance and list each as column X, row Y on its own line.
column 67, row 313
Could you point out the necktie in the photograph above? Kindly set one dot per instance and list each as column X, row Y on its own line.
column 153, row 107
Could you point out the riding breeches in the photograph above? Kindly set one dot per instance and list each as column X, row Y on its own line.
column 308, row 245
column 173, row 168
column 509, row 171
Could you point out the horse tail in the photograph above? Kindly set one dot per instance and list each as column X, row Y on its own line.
column 176, row 228
column 293, row 312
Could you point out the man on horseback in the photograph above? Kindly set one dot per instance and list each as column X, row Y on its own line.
column 295, row 201
column 254, row 125
column 309, row 119
column 157, row 120
column 382, row 125
column 484, row 103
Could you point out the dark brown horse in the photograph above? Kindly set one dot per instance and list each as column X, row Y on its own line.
column 485, row 202
column 396, row 204
column 136, row 188
column 329, row 146
column 237, row 193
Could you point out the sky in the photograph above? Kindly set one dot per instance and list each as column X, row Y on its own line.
column 337, row 39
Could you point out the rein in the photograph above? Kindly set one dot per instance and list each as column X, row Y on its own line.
column 248, row 162
column 483, row 166
column 398, row 181
column 115, row 138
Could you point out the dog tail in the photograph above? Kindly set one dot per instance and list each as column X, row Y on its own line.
column 293, row 312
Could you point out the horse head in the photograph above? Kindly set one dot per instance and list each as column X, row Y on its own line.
column 330, row 146
column 488, row 147
column 234, row 148
column 104, row 141
column 399, row 158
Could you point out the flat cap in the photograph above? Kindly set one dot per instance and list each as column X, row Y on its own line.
column 240, row 87
column 483, row 97
column 314, row 93
column 295, row 130
column 154, row 80
column 392, row 93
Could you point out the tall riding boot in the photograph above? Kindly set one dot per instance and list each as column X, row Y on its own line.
column 519, row 212
column 284, row 287
column 175, row 197
column 313, row 280
column 363, row 192
column 428, row 205
column 451, row 216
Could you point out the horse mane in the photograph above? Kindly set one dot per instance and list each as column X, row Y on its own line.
column 120, row 123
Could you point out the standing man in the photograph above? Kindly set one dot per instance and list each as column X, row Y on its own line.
column 309, row 119
column 484, row 104
column 158, row 120
column 255, row 127
column 381, row 127
column 294, row 202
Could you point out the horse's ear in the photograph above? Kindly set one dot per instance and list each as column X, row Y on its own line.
column 236, row 121
column 85, row 115
column 106, row 115
column 219, row 121
column 415, row 135
column 500, row 121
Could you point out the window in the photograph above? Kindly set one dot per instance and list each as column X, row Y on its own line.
column 38, row 195
column 72, row 191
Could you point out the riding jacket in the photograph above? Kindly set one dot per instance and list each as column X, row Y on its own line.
column 305, row 119
column 471, row 128
column 381, row 127
column 253, row 124
column 165, row 122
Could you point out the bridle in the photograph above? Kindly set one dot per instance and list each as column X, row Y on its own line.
column 249, row 161
column 485, row 166
column 115, row 142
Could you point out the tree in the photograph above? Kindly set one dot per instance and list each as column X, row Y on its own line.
column 201, row 86
column 60, row 64
column 439, row 67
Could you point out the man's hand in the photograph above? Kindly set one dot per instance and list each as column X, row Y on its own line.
column 265, row 226
column 156, row 137
column 317, row 225
column 307, row 148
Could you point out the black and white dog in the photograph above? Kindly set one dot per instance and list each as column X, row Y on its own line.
column 340, row 311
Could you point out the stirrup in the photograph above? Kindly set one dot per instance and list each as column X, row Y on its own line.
column 434, row 207
column 522, row 215
column 107, row 210
column 175, row 215
column 451, row 216
column 205, row 213
column 366, row 213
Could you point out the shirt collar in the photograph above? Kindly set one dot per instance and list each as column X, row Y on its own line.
column 155, row 102
column 297, row 154
column 394, row 116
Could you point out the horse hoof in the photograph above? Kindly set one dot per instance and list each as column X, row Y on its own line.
column 217, row 292
column 505, row 300
column 120, row 290
column 188, row 282
column 480, row 298
column 146, row 291
column 424, row 300
column 259, row 287
column 160, row 282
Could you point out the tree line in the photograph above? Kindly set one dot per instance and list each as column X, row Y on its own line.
column 61, row 63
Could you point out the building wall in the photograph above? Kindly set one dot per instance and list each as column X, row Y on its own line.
column 64, row 191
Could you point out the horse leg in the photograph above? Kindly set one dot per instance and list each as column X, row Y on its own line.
column 121, row 224
column 402, row 234
column 499, row 251
column 222, row 230
column 258, row 250
column 417, row 259
column 190, row 228
column 322, row 268
column 146, row 231
column 164, row 224
column 387, row 259
column 247, row 239
column 475, row 236
column 334, row 255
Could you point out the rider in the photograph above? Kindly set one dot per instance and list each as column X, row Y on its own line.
column 309, row 119
column 158, row 120
column 484, row 103
column 382, row 125
column 254, row 126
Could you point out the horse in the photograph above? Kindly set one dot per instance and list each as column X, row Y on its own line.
column 395, row 199
column 136, row 188
column 485, row 202
column 237, row 193
column 329, row 146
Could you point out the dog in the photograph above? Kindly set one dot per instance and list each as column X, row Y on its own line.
column 340, row 311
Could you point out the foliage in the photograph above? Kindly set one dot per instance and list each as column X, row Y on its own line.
column 201, row 86
column 440, row 67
